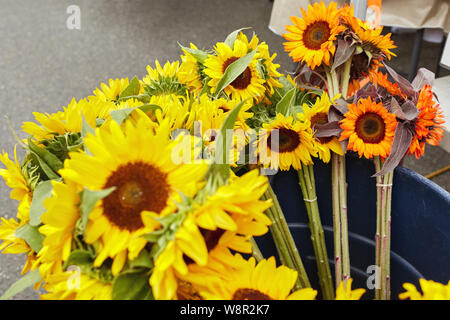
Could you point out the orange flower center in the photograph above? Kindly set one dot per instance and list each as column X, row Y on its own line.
column 316, row 34
column 320, row 118
column 288, row 140
column 243, row 80
column 370, row 127
column 250, row 294
column 139, row 187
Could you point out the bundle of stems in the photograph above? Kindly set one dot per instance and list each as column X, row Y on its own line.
column 383, row 233
column 284, row 242
column 307, row 184
column 339, row 184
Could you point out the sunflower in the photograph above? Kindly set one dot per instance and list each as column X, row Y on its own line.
column 428, row 126
column 137, row 163
column 249, row 84
column 311, row 39
column 262, row 281
column 59, row 221
column 64, row 286
column 318, row 114
column 265, row 65
column 69, row 120
column 234, row 213
column 369, row 127
column 110, row 92
column 190, row 72
column 16, row 179
column 295, row 144
column 431, row 290
column 224, row 221
column 344, row 291
column 187, row 244
column 164, row 80
column 381, row 80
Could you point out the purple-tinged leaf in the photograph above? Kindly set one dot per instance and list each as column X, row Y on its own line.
column 343, row 52
column 402, row 140
column 330, row 129
column 423, row 77
column 340, row 105
column 407, row 111
column 403, row 84
column 369, row 91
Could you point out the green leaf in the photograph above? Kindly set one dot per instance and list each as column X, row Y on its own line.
column 88, row 201
column 79, row 258
column 132, row 89
column 25, row 282
column 284, row 104
column 120, row 115
column 31, row 235
column 49, row 163
column 131, row 287
column 145, row 98
column 232, row 37
column 142, row 260
column 199, row 55
column 223, row 144
column 233, row 71
column 42, row 191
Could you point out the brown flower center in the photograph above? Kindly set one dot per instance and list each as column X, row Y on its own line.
column 370, row 128
column 250, row 294
column 316, row 34
column 320, row 118
column 288, row 140
column 243, row 80
column 139, row 187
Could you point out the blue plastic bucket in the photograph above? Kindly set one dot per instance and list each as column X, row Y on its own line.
column 420, row 246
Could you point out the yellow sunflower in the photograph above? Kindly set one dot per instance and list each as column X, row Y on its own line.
column 164, row 80
column 431, row 290
column 249, row 84
column 138, row 164
column 369, row 127
column 69, row 120
column 110, row 92
column 59, row 220
column 295, row 144
column 262, row 281
column 266, row 65
column 75, row 286
column 186, row 245
column 190, row 71
column 311, row 39
column 344, row 291
column 318, row 114
column 232, row 215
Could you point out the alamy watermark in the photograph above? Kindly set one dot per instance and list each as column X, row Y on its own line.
column 73, row 21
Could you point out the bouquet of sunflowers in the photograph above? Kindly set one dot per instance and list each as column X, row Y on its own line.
column 157, row 188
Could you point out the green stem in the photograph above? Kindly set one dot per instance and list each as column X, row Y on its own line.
column 330, row 87
column 336, row 220
column 345, row 77
column 379, row 181
column 334, row 78
column 343, row 215
column 255, row 250
column 293, row 254
column 307, row 182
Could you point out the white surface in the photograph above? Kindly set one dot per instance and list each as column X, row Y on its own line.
column 441, row 87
